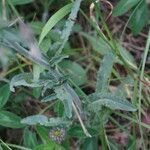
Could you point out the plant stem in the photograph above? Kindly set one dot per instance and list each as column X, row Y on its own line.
column 80, row 120
column 102, row 137
column 18, row 147
column 141, row 84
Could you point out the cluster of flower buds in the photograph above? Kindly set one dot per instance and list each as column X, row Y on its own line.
column 57, row 134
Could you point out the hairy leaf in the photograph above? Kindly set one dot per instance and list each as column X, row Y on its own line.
column 69, row 24
column 57, row 59
column 111, row 101
column 104, row 73
column 49, row 98
column 43, row 120
column 128, row 58
column 26, row 79
column 54, row 73
column 37, row 69
column 66, row 98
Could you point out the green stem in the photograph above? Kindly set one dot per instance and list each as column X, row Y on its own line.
column 141, row 84
column 15, row 68
column 49, row 106
column 132, row 119
column 124, row 29
column 6, row 145
column 13, row 8
column 18, row 147
column 102, row 137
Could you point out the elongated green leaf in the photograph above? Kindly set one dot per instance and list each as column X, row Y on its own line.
column 57, row 59
column 54, row 20
column 69, row 24
column 37, row 70
column 66, row 98
column 123, row 6
column 4, row 95
column 128, row 58
column 98, row 44
column 29, row 139
column 111, row 101
column 42, row 131
column 26, row 79
column 139, row 18
column 11, row 35
column 49, row 98
column 45, row 45
column 10, row 120
column 59, row 108
column 21, row 2
column 104, row 73
column 43, row 120
column 35, row 119
column 37, row 92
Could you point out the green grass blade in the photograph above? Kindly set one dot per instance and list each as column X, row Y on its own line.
column 54, row 20
column 123, row 6
column 141, row 85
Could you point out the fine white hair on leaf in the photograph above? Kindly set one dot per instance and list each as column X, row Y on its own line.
column 28, row 35
column 34, row 50
column 26, row 32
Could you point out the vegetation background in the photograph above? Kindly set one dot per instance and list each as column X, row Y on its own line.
column 74, row 74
